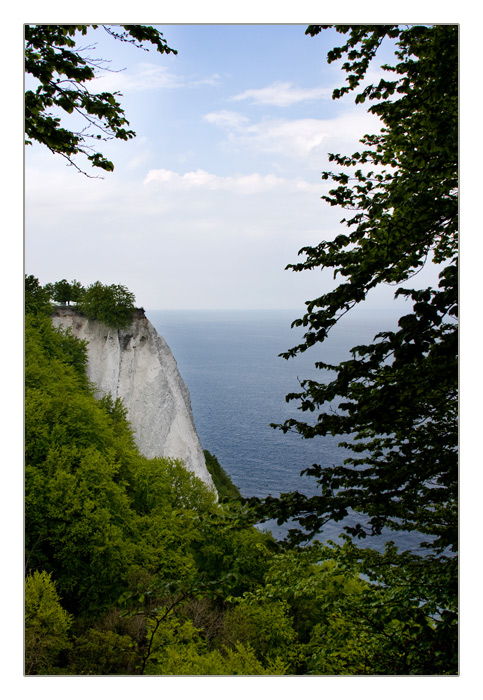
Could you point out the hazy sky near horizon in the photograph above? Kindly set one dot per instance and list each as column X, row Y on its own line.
column 221, row 186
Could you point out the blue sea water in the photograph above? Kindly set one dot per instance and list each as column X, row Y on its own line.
column 238, row 383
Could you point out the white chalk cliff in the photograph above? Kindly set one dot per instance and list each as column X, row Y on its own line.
column 136, row 365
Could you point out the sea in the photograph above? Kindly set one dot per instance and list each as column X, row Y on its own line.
column 231, row 364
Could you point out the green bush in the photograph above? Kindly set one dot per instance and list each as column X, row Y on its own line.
column 102, row 653
column 37, row 299
column 64, row 292
column 111, row 304
column 46, row 624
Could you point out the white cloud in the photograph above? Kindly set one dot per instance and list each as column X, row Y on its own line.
column 211, row 80
column 308, row 140
column 240, row 184
column 282, row 94
column 226, row 119
column 298, row 138
column 148, row 76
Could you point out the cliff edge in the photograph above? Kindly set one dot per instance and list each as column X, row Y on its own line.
column 136, row 365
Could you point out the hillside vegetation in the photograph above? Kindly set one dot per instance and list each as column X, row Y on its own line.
column 133, row 568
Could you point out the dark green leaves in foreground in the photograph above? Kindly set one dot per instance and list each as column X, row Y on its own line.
column 394, row 403
column 64, row 74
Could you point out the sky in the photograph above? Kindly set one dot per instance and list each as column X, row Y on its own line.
column 222, row 185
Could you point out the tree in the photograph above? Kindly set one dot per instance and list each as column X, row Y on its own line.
column 63, row 74
column 111, row 304
column 46, row 623
column 352, row 614
column 397, row 397
column 64, row 292
column 37, row 298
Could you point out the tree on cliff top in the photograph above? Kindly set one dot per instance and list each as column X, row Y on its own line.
column 63, row 76
column 397, row 397
column 112, row 304
column 36, row 297
column 64, row 292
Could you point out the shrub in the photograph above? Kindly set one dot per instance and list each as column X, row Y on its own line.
column 46, row 624
column 112, row 304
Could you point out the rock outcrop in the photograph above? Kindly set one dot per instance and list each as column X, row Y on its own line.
column 136, row 365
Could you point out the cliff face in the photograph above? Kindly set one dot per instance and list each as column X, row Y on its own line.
column 136, row 365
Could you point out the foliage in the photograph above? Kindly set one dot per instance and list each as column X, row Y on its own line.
column 358, row 612
column 96, row 511
column 386, row 628
column 230, row 551
column 46, row 624
column 109, row 524
column 64, row 76
column 183, row 653
column 157, row 577
column 52, row 352
column 102, row 653
column 115, row 529
column 160, row 482
column 395, row 402
column 223, row 484
column 264, row 624
column 64, row 292
column 111, row 304
column 36, row 297
column 85, row 519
